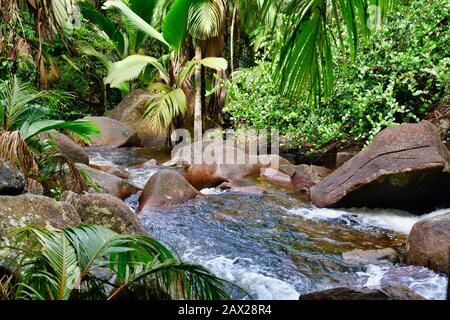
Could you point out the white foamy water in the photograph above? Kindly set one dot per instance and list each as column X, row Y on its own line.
column 260, row 286
column 421, row 280
column 398, row 221
column 99, row 160
column 140, row 176
column 209, row 191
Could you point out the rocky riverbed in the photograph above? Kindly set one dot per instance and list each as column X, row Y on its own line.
column 256, row 225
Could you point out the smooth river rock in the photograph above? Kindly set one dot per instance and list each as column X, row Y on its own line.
column 114, row 170
column 405, row 167
column 113, row 133
column 365, row 257
column 166, row 188
column 429, row 243
column 220, row 163
column 130, row 111
column 70, row 148
column 394, row 291
column 109, row 183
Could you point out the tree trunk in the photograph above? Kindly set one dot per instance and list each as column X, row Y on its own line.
column 233, row 21
column 198, row 132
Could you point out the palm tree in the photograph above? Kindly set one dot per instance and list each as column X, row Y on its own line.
column 23, row 119
column 305, row 63
column 68, row 264
column 171, row 100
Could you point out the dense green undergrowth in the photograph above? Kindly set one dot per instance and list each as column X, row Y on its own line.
column 400, row 75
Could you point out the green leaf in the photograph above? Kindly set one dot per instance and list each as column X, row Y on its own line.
column 81, row 128
column 131, row 67
column 145, row 10
column 206, row 18
column 104, row 23
column 175, row 23
column 162, row 108
column 134, row 19
column 215, row 63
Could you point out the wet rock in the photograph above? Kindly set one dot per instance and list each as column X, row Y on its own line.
column 393, row 291
column 130, row 111
column 166, row 188
column 70, row 148
column 443, row 125
column 107, row 211
column 12, row 181
column 277, row 163
column 249, row 190
column 109, row 183
column 306, row 176
column 429, row 243
column 344, row 156
column 277, row 177
column 28, row 209
column 405, row 167
column 113, row 133
column 221, row 163
column 116, row 171
column 365, row 257
column 148, row 164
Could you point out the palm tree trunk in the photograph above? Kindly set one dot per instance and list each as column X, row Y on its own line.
column 233, row 21
column 198, row 132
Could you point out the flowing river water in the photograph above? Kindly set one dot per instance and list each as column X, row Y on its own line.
column 275, row 246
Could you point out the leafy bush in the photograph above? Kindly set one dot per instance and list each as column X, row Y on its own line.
column 401, row 74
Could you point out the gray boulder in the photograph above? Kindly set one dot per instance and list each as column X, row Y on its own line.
column 12, row 181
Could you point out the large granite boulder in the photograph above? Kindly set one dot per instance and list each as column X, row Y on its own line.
column 393, row 291
column 113, row 133
column 109, row 183
column 221, row 163
column 429, row 243
column 105, row 210
column 166, row 188
column 405, row 167
column 28, row 209
column 69, row 148
column 130, row 112
column 12, row 181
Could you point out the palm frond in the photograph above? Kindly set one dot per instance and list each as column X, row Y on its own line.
column 134, row 19
column 16, row 150
column 59, row 258
column 176, row 22
column 305, row 62
column 79, row 127
column 206, row 18
column 162, row 108
column 131, row 67
column 16, row 98
column 55, row 261
column 210, row 62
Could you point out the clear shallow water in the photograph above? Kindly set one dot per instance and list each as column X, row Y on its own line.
column 273, row 245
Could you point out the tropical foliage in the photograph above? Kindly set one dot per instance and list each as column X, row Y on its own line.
column 93, row 262
column 23, row 120
column 400, row 76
